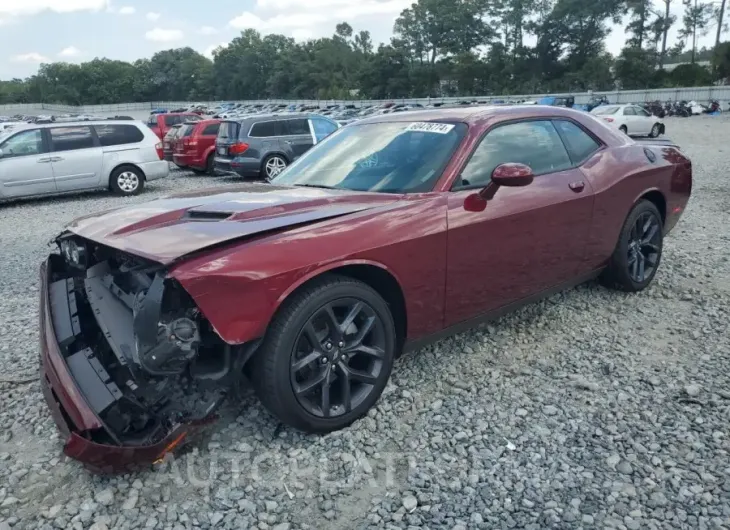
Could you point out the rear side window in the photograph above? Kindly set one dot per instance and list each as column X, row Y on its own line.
column 186, row 130
column 172, row 120
column 71, row 138
column 297, row 127
column 323, row 128
column 579, row 143
column 118, row 134
column 228, row 130
column 266, row 129
column 152, row 120
column 211, row 130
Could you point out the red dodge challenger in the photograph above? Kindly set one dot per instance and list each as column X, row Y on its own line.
column 394, row 231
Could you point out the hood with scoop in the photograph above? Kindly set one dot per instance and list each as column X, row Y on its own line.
column 167, row 229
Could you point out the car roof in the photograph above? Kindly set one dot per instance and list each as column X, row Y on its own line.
column 81, row 123
column 278, row 116
column 470, row 115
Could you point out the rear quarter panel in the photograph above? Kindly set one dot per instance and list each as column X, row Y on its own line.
column 621, row 176
column 240, row 286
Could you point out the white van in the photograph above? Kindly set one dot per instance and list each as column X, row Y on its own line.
column 51, row 158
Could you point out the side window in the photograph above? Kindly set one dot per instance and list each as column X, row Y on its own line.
column 152, row 120
column 642, row 112
column 264, row 129
column 23, row 144
column 580, row 144
column 297, row 127
column 322, row 128
column 71, row 138
column 211, row 130
column 118, row 134
column 190, row 117
column 173, row 120
column 628, row 111
column 534, row 143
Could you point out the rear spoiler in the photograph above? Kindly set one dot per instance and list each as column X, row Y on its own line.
column 659, row 142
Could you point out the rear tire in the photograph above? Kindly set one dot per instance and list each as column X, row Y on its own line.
column 638, row 253
column 210, row 165
column 335, row 337
column 126, row 181
column 273, row 165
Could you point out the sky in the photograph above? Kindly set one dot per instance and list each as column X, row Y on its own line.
column 36, row 31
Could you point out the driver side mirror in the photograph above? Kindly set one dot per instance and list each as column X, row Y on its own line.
column 511, row 175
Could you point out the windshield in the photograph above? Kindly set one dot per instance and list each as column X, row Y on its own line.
column 605, row 110
column 394, row 157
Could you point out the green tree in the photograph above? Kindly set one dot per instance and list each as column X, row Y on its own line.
column 697, row 17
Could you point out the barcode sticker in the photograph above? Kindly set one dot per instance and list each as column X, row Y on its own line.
column 425, row 126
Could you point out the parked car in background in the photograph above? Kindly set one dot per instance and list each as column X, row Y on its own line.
column 630, row 119
column 63, row 157
column 264, row 145
column 168, row 142
column 161, row 123
column 195, row 146
column 557, row 101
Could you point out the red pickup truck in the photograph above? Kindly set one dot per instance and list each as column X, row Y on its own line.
column 162, row 123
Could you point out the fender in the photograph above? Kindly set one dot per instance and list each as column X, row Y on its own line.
column 327, row 268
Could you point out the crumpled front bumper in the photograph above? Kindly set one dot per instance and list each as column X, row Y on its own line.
column 75, row 419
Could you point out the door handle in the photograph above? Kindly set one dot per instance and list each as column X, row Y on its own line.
column 577, row 186
column 288, row 142
column 56, row 158
column 44, row 160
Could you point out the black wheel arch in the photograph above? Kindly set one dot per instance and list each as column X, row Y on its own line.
column 377, row 278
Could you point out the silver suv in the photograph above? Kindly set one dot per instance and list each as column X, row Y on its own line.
column 119, row 155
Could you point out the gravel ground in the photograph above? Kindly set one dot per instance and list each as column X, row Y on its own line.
column 593, row 409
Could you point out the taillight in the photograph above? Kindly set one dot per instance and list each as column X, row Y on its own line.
column 238, row 148
column 609, row 120
column 158, row 148
column 189, row 142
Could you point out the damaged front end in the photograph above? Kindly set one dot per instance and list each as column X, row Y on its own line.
column 146, row 367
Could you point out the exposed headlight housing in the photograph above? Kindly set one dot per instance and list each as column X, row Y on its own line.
column 74, row 253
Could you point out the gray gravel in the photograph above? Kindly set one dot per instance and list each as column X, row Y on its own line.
column 593, row 409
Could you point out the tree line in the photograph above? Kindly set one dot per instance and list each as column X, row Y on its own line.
column 439, row 48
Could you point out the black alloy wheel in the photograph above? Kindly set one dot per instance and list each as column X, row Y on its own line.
column 327, row 355
column 637, row 255
column 337, row 358
column 644, row 247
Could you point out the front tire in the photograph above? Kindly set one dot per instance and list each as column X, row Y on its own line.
column 655, row 131
column 126, row 181
column 327, row 355
column 638, row 253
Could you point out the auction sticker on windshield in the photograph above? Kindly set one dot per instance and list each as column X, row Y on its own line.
column 425, row 126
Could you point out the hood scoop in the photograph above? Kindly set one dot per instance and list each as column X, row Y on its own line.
column 202, row 215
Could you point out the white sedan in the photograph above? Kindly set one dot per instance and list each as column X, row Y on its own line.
column 631, row 119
